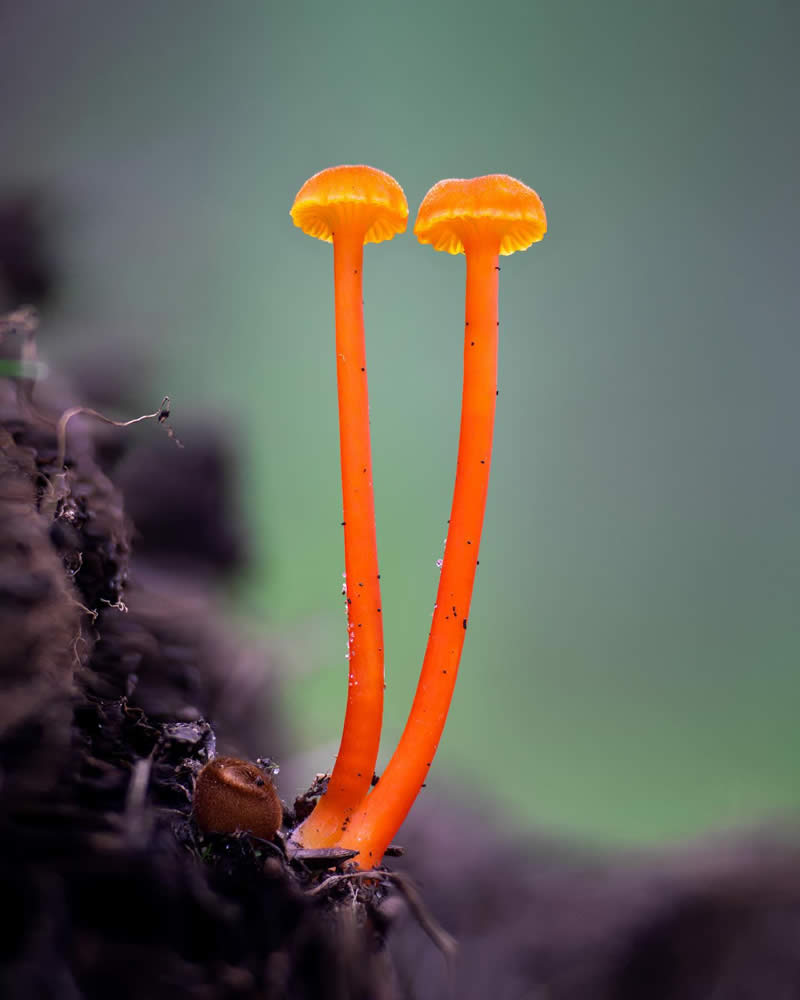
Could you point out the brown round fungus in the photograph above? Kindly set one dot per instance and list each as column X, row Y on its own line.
column 233, row 795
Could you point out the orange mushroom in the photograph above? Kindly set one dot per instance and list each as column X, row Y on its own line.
column 350, row 206
column 481, row 218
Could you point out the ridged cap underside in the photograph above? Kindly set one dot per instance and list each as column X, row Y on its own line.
column 356, row 197
column 495, row 208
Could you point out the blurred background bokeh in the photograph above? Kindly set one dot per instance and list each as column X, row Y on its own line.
column 631, row 672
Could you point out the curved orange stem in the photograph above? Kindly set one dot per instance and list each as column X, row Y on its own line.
column 385, row 808
column 358, row 750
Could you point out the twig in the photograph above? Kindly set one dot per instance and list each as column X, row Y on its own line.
column 407, row 888
column 118, row 605
column 93, row 613
column 75, row 643
column 161, row 414
column 333, row 879
column 445, row 942
column 137, row 787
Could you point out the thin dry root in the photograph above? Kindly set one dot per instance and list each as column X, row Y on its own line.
column 161, row 415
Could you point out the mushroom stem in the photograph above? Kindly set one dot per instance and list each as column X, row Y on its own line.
column 358, row 750
column 386, row 806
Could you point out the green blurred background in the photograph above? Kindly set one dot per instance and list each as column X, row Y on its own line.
column 631, row 670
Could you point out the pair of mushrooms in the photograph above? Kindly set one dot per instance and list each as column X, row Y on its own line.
column 483, row 218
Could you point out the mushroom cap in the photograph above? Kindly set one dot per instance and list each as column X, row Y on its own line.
column 496, row 207
column 354, row 196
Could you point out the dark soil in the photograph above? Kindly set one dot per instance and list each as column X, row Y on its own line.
column 110, row 673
